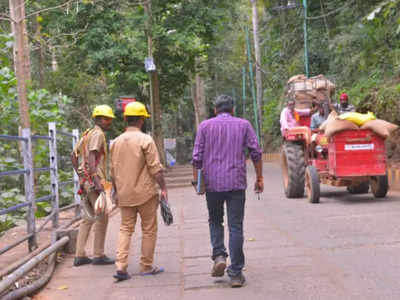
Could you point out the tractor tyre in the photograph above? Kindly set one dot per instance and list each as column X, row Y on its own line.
column 312, row 185
column 361, row 188
column 293, row 170
column 379, row 185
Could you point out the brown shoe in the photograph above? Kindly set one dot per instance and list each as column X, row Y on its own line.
column 218, row 269
column 238, row 281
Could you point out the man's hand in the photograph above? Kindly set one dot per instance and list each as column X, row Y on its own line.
column 164, row 194
column 98, row 187
column 114, row 196
column 259, row 185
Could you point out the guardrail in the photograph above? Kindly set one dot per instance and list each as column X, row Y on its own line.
column 29, row 171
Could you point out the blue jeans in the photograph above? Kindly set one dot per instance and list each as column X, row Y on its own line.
column 235, row 209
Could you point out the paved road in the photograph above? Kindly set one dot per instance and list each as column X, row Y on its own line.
column 346, row 247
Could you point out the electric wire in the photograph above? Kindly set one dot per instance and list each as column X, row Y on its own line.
column 331, row 12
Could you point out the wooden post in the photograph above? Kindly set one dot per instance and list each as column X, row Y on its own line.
column 29, row 187
column 77, row 198
column 21, row 58
column 54, row 171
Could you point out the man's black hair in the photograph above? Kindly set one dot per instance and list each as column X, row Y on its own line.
column 224, row 103
column 132, row 120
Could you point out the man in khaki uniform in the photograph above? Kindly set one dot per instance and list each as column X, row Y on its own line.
column 89, row 160
column 135, row 171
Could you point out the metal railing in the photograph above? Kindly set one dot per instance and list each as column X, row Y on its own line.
column 29, row 171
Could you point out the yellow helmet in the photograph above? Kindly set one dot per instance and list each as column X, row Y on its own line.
column 136, row 109
column 103, row 111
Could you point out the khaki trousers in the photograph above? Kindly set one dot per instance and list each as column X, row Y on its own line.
column 100, row 229
column 148, row 216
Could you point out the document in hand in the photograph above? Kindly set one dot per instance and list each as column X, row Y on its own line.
column 201, row 187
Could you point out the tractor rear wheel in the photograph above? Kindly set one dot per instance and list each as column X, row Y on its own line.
column 293, row 170
column 379, row 185
column 312, row 184
column 361, row 188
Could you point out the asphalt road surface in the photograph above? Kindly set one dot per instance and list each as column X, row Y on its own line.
column 345, row 247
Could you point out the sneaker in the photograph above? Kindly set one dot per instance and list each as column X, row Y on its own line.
column 102, row 260
column 238, row 281
column 81, row 260
column 218, row 269
column 121, row 276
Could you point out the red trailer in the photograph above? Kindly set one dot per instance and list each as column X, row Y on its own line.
column 354, row 158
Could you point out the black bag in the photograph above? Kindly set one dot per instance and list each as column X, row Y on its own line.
column 166, row 212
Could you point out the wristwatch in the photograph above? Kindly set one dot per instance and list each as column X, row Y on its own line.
column 194, row 183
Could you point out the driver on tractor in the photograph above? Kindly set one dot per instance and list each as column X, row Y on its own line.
column 319, row 117
column 290, row 116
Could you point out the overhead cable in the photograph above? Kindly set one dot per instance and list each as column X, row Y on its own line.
column 331, row 12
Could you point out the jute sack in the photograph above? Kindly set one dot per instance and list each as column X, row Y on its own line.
column 380, row 127
column 320, row 82
column 303, row 104
column 337, row 125
column 321, row 96
column 297, row 77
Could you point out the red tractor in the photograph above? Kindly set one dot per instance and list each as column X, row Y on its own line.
column 352, row 158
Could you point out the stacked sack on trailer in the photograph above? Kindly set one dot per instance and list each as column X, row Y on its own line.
column 355, row 121
column 305, row 90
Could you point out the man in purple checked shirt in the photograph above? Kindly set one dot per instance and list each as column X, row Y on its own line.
column 219, row 151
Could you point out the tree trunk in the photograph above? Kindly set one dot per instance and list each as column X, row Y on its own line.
column 157, row 134
column 193, row 91
column 21, row 58
column 155, row 89
column 201, row 98
column 198, row 97
column 259, row 87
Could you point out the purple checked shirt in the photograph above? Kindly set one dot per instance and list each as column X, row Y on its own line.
column 219, row 150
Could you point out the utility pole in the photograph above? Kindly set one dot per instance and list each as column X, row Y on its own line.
column 305, row 38
column 259, row 86
column 253, row 93
column 21, row 58
column 154, row 87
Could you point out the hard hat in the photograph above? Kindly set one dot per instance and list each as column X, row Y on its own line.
column 136, row 109
column 103, row 111
column 344, row 96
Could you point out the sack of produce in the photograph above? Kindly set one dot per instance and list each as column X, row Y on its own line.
column 337, row 125
column 357, row 118
column 320, row 82
column 304, row 95
column 380, row 127
column 297, row 78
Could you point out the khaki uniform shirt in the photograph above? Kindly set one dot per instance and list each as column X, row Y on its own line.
column 134, row 162
column 96, row 141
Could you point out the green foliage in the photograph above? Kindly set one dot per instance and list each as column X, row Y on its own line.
column 357, row 48
column 44, row 107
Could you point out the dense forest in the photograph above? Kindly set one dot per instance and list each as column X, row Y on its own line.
column 88, row 52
